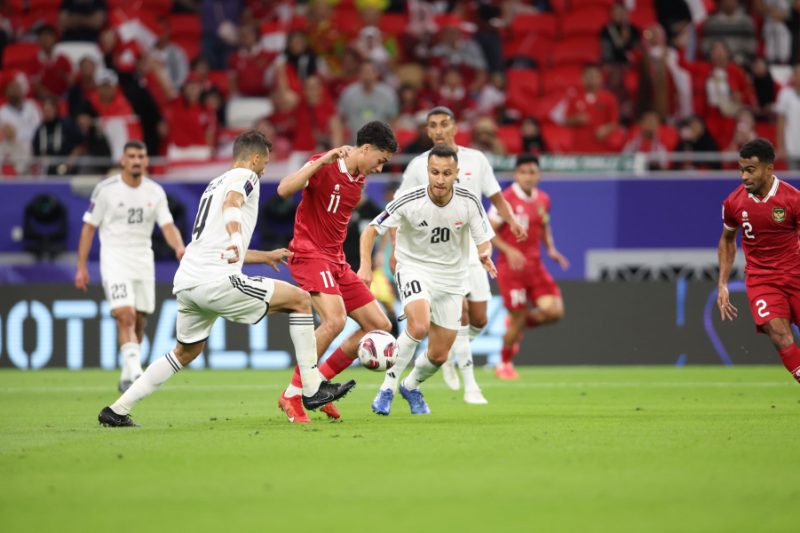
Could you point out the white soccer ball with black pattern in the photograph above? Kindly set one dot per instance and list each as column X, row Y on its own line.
column 377, row 350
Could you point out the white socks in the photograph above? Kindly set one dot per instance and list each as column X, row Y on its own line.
column 406, row 346
column 156, row 374
column 463, row 357
column 423, row 369
column 131, row 361
column 301, row 330
column 474, row 332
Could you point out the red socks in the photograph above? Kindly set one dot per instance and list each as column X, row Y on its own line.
column 337, row 363
column 791, row 360
column 507, row 353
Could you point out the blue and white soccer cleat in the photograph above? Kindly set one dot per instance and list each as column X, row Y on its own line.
column 382, row 403
column 415, row 401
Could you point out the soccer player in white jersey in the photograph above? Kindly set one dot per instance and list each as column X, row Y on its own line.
column 476, row 175
column 126, row 207
column 436, row 227
column 209, row 284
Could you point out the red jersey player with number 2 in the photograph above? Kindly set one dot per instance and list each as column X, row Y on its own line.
column 332, row 184
column 768, row 212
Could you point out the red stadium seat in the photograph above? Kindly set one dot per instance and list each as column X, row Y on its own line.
column 576, row 51
column 190, row 46
column 584, row 22
column 219, row 78
column 510, row 137
column 581, row 4
column 43, row 5
column 669, row 136
column 559, row 79
column 560, row 6
column 523, row 87
column 767, row 131
column 643, row 16
column 158, row 8
column 20, row 56
column 393, row 23
column 536, row 24
column 559, row 139
column 545, row 105
column 185, row 26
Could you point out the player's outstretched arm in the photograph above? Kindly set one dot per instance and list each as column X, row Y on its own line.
column 726, row 252
column 84, row 245
column 485, row 255
column 366, row 246
column 297, row 180
column 273, row 258
column 552, row 252
column 504, row 210
column 516, row 259
column 174, row 239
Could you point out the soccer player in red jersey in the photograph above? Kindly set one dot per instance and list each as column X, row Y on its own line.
column 522, row 277
column 332, row 184
column 768, row 212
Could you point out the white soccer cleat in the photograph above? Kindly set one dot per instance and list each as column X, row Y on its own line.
column 475, row 397
column 450, row 375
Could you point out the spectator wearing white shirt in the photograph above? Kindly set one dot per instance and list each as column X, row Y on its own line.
column 19, row 118
column 788, row 111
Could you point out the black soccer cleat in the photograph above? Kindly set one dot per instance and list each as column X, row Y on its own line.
column 110, row 419
column 328, row 392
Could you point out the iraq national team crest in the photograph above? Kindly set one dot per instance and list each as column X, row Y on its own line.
column 778, row 214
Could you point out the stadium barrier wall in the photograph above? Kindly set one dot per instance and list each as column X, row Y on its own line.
column 56, row 326
column 588, row 213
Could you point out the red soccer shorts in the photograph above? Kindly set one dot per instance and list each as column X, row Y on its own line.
column 775, row 296
column 320, row 275
column 520, row 289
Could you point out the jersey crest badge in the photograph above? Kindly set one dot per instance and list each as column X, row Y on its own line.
column 778, row 214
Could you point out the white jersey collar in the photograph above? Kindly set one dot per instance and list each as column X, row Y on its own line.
column 343, row 169
column 772, row 191
column 522, row 195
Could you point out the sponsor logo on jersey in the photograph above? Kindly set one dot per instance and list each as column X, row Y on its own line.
column 91, row 207
column 383, row 216
column 778, row 214
column 423, row 224
column 248, row 187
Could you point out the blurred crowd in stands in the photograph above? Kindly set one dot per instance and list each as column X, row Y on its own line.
column 81, row 77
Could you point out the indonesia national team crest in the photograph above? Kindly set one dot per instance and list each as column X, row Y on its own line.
column 778, row 214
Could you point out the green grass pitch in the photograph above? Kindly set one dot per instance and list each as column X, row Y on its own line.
column 563, row 449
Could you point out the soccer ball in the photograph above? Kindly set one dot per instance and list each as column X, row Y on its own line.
column 376, row 350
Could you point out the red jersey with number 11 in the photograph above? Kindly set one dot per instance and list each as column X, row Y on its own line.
column 770, row 228
column 320, row 225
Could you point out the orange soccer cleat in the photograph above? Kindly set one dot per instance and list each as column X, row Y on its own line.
column 331, row 410
column 506, row 371
column 293, row 407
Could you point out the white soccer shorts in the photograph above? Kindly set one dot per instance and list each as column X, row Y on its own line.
column 445, row 306
column 137, row 293
column 237, row 298
column 478, row 284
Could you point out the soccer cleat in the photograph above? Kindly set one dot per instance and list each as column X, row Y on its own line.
column 506, row 371
column 331, row 410
column 415, row 401
column 382, row 403
column 475, row 397
column 110, row 419
column 293, row 407
column 328, row 392
column 450, row 375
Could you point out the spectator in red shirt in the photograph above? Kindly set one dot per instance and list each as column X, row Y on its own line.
column 593, row 115
column 292, row 120
column 248, row 65
column 648, row 138
column 727, row 89
column 348, row 71
column 83, row 85
column 453, row 92
column 52, row 72
column 192, row 126
column 107, row 100
column 326, row 126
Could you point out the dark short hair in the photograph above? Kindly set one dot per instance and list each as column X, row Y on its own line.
column 441, row 110
column 46, row 28
column 760, row 148
column 139, row 145
column 523, row 159
column 442, row 150
column 378, row 134
column 250, row 142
